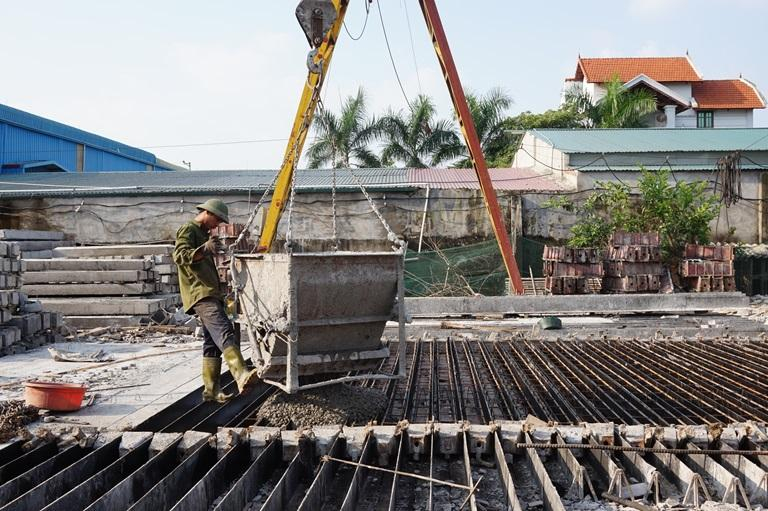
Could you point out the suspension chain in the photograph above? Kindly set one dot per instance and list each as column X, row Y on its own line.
column 397, row 243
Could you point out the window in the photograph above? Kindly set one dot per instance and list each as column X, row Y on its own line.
column 705, row 119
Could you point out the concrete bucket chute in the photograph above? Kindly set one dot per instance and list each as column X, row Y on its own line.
column 320, row 314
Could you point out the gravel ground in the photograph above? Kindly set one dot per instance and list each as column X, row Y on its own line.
column 336, row 404
column 14, row 415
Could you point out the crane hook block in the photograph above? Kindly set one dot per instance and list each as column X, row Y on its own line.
column 316, row 18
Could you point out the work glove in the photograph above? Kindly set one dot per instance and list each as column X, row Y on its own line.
column 209, row 247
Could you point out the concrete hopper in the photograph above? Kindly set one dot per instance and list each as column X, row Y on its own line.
column 319, row 313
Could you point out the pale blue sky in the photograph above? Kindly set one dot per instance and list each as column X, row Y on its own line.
column 194, row 72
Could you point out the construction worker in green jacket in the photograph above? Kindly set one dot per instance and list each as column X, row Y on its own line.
column 201, row 294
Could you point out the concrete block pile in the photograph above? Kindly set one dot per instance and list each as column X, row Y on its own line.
column 35, row 244
column 570, row 271
column 633, row 263
column 120, row 285
column 23, row 323
column 708, row 268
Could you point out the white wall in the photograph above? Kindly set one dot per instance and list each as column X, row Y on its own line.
column 540, row 156
column 681, row 88
column 733, row 119
column 686, row 119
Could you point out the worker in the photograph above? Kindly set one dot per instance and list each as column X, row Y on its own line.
column 201, row 294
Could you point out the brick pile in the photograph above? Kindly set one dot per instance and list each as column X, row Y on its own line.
column 225, row 235
column 708, row 268
column 571, row 271
column 23, row 323
column 633, row 263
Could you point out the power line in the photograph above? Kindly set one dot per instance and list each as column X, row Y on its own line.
column 391, row 58
column 365, row 23
column 413, row 48
column 205, row 144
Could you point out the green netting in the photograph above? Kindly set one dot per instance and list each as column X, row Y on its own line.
column 457, row 271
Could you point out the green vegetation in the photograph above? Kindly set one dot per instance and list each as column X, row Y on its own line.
column 618, row 108
column 418, row 137
column 679, row 212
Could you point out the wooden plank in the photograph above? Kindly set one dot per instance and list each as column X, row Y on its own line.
column 61, row 264
column 105, row 306
column 45, row 277
column 23, row 234
column 141, row 288
column 113, row 250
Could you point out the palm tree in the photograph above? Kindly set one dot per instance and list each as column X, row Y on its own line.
column 618, row 108
column 416, row 139
column 489, row 114
column 343, row 141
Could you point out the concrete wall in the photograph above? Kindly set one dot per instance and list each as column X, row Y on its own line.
column 453, row 214
column 539, row 155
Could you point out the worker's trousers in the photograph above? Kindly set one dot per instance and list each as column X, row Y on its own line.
column 218, row 332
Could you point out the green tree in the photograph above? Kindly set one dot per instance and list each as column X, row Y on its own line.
column 416, row 139
column 679, row 212
column 488, row 114
column 344, row 140
column 618, row 108
column 514, row 127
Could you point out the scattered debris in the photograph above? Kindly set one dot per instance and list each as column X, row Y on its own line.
column 14, row 416
column 80, row 356
column 335, row 404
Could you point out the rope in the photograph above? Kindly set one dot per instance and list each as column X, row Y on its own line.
column 729, row 178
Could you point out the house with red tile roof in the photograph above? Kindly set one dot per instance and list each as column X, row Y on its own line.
column 684, row 98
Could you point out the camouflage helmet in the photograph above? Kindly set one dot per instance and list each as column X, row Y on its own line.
column 217, row 208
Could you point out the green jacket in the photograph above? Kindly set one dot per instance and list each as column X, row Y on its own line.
column 197, row 279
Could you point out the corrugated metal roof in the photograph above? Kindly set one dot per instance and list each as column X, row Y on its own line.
column 57, row 129
column 243, row 181
column 600, row 166
column 503, row 179
column 651, row 140
column 197, row 182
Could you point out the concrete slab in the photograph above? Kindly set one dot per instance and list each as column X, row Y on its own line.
column 23, row 234
column 60, row 264
column 576, row 304
column 106, row 306
column 88, row 322
column 90, row 276
column 100, row 289
column 113, row 250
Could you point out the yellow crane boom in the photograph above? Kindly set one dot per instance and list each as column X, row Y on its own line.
column 321, row 21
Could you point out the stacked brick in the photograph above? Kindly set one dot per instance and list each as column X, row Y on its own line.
column 225, row 235
column 633, row 263
column 708, row 268
column 572, row 271
column 23, row 323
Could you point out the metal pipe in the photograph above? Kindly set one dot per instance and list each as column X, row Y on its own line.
column 424, row 218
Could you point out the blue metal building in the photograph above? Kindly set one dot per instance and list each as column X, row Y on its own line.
column 29, row 143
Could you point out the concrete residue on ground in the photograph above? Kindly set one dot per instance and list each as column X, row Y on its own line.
column 14, row 417
column 335, row 404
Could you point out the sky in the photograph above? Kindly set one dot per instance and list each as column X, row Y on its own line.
column 219, row 82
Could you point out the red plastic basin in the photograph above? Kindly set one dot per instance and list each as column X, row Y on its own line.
column 59, row 397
